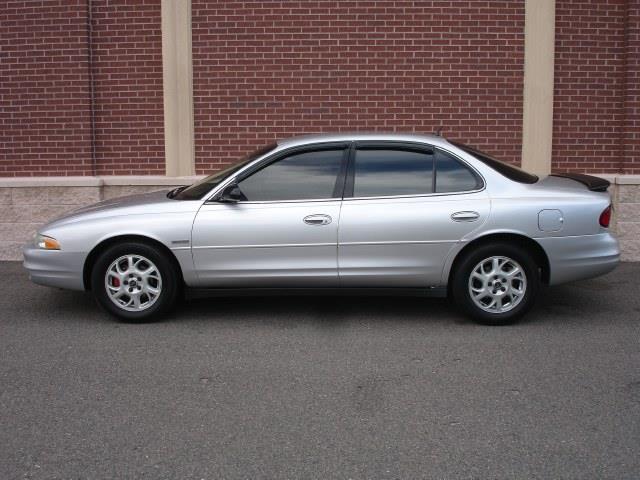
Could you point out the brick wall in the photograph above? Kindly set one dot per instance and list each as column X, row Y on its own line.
column 590, row 74
column 44, row 92
column 127, row 43
column 264, row 70
column 632, row 90
column 44, row 89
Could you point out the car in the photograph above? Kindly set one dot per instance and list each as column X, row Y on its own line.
column 361, row 212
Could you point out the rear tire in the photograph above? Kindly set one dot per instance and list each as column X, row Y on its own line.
column 496, row 284
column 135, row 282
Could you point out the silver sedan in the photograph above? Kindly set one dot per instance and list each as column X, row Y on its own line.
column 355, row 212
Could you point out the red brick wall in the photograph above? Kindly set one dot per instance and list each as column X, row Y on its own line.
column 268, row 70
column 127, row 51
column 44, row 93
column 265, row 70
column 632, row 87
column 589, row 106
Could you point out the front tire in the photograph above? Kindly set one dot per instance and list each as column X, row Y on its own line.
column 496, row 284
column 135, row 282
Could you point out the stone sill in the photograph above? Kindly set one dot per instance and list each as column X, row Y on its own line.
column 153, row 180
column 11, row 182
column 628, row 180
column 620, row 179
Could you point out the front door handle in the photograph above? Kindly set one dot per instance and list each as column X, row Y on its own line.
column 465, row 216
column 318, row 219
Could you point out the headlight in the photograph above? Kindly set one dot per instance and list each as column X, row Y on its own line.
column 46, row 243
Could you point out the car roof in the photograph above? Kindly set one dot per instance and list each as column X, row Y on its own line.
column 431, row 139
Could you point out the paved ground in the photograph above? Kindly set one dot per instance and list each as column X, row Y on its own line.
column 321, row 388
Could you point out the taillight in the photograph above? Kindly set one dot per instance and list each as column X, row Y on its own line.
column 605, row 217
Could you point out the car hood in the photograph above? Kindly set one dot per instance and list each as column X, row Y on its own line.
column 146, row 199
column 140, row 204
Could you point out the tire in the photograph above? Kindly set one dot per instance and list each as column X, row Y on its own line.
column 135, row 282
column 503, row 278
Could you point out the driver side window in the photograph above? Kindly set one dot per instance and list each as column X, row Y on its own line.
column 300, row 176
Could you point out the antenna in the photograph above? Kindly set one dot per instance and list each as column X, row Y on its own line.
column 439, row 131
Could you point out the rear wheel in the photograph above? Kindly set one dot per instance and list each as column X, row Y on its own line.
column 134, row 282
column 496, row 284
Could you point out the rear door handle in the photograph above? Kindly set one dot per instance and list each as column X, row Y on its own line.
column 468, row 216
column 317, row 219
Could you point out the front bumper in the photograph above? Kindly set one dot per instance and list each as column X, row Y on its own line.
column 54, row 268
column 580, row 257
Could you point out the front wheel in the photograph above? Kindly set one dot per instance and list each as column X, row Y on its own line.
column 135, row 282
column 496, row 284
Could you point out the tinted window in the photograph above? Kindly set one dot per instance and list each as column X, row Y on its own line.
column 307, row 175
column 384, row 172
column 204, row 186
column 512, row 173
column 453, row 176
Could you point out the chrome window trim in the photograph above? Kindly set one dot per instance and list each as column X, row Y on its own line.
column 422, row 195
column 266, row 202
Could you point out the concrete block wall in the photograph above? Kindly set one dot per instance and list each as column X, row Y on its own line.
column 627, row 219
column 23, row 209
column 27, row 203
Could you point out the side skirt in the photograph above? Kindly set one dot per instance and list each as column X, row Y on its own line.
column 432, row 292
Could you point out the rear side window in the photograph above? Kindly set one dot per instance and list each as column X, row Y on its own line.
column 453, row 176
column 388, row 172
column 299, row 176
column 512, row 173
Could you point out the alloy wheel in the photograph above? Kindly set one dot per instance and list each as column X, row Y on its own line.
column 133, row 283
column 497, row 284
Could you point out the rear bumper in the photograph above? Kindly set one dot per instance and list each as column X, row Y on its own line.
column 580, row 257
column 54, row 268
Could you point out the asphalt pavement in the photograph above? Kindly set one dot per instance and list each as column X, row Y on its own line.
column 321, row 387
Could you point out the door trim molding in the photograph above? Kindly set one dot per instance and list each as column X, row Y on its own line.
column 270, row 245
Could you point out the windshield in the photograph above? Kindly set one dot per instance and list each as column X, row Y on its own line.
column 204, row 186
column 510, row 171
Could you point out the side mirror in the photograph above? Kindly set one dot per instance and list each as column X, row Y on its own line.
column 231, row 194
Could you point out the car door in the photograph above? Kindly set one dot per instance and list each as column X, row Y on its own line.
column 405, row 207
column 284, row 231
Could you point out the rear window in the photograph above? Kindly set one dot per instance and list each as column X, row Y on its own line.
column 512, row 173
